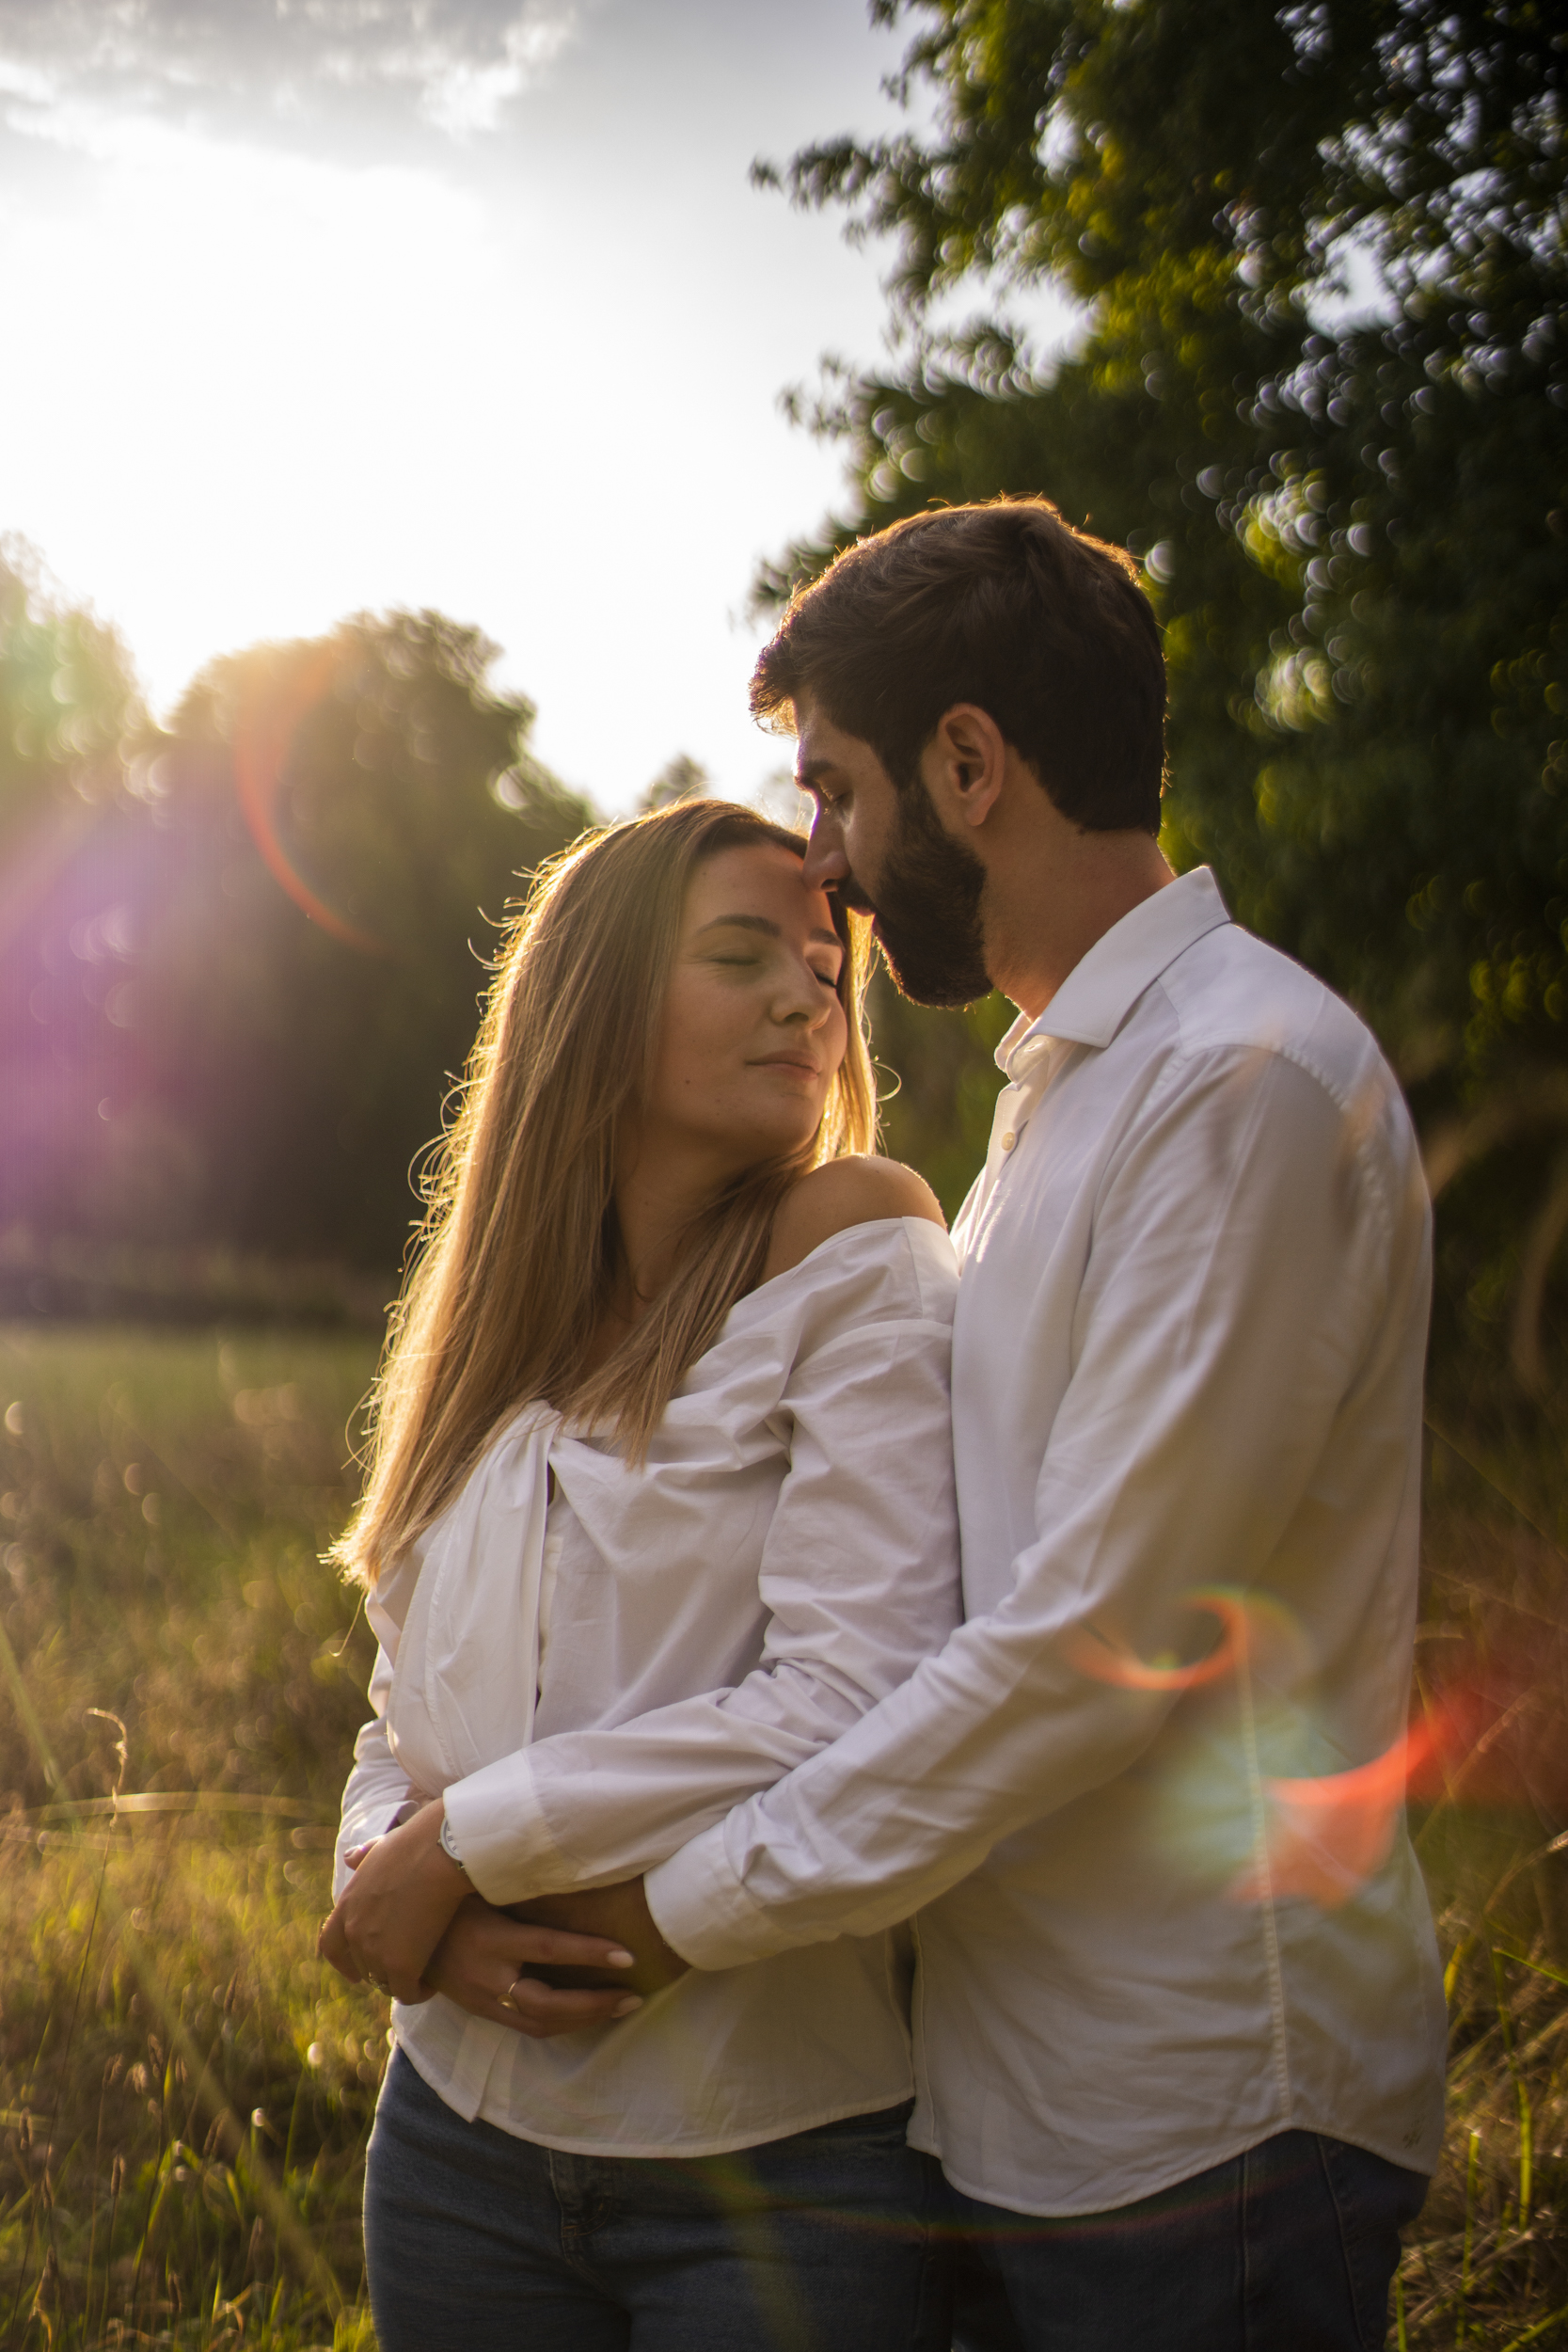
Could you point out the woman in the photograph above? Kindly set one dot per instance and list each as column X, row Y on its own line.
column 659, row 1502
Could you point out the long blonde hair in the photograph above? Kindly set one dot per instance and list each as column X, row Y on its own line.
column 514, row 1261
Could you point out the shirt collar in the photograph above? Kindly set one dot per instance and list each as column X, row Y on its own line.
column 1104, row 986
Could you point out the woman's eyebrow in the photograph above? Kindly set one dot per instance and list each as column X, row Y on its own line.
column 742, row 923
column 761, row 923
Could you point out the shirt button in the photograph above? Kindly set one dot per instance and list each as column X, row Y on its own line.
column 1009, row 1140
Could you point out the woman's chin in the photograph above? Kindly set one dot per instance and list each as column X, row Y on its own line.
column 762, row 1144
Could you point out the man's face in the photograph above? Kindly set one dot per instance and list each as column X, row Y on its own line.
column 886, row 855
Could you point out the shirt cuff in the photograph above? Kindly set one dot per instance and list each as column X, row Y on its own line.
column 703, row 1912
column 498, row 1827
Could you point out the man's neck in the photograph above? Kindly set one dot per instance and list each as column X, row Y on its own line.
column 1060, row 891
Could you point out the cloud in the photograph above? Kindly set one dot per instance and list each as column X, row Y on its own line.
column 459, row 62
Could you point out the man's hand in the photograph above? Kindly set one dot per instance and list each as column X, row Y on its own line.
column 622, row 1911
column 490, row 1965
column 396, row 1909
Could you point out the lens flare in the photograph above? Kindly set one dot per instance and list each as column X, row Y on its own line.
column 1105, row 1660
column 267, row 723
column 1325, row 1839
column 1493, row 1734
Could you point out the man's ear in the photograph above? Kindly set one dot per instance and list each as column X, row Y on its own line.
column 964, row 766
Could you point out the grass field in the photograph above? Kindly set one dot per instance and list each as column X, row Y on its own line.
column 186, row 2093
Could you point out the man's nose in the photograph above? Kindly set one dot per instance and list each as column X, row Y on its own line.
column 825, row 861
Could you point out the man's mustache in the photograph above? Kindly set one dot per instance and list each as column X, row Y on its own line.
column 850, row 893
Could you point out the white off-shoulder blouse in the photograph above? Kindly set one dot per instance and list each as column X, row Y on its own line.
column 784, row 1558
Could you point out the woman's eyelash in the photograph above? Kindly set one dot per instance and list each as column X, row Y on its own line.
column 747, row 963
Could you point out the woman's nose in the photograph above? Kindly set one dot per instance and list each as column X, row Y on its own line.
column 803, row 1002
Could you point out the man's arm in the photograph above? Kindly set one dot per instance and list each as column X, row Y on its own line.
column 859, row 1577
column 1256, row 1244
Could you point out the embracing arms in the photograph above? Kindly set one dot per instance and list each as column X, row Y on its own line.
column 858, row 1578
column 1242, row 1409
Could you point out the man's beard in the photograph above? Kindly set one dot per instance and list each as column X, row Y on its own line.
column 927, row 909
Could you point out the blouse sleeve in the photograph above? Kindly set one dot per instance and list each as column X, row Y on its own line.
column 378, row 1786
column 860, row 1578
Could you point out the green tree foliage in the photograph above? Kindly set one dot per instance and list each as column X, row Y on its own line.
column 1320, row 389
column 69, row 709
column 67, row 701
column 234, row 1016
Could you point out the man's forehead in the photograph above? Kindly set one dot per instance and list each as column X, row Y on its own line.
column 818, row 741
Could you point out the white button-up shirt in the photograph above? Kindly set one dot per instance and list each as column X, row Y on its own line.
column 716, row 1616
column 1187, row 1355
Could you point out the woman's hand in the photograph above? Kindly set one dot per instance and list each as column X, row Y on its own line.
column 482, row 1963
column 396, row 1909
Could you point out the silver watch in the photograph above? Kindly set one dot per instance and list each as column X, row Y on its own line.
column 448, row 1848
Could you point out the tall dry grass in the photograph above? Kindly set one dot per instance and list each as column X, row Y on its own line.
column 186, row 2093
column 1488, row 2266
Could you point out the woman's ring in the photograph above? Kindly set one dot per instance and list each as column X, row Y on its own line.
column 504, row 2000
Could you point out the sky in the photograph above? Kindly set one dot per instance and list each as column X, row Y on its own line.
column 338, row 305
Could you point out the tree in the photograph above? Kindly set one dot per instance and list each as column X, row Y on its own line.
column 257, row 977
column 681, row 778
column 70, row 714
column 1352, row 515
column 68, row 702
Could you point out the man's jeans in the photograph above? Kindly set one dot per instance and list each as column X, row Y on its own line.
column 1287, row 2249
column 828, row 2241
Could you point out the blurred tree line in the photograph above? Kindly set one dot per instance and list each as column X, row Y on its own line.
column 240, row 958
column 1319, row 388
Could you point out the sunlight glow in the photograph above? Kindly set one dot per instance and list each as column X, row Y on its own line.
column 264, row 731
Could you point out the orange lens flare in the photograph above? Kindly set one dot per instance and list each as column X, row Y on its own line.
column 263, row 737
column 1495, row 1733
column 1324, row 1838
column 1105, row 1660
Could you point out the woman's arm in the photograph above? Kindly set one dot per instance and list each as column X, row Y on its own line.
column 484, row 1959
column 408, row 1923
column 378, row 1788
column 859, row 1576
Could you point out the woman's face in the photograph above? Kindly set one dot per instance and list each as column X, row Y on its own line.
column 753, row 1029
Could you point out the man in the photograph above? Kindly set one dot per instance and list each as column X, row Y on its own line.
column 1181, row 2055
column 1178, row 2020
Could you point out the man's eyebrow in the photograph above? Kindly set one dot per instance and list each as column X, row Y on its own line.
column 808, row 770
column 761, row 923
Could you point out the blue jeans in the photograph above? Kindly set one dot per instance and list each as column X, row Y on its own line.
column 828, row 2241
column 1289, row 2248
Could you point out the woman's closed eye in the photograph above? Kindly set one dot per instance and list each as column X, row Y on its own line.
column 828, row 979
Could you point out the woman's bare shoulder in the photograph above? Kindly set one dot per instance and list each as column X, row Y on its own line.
column 856, row 1190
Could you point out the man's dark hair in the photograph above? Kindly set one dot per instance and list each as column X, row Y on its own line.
column 1003, row 604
